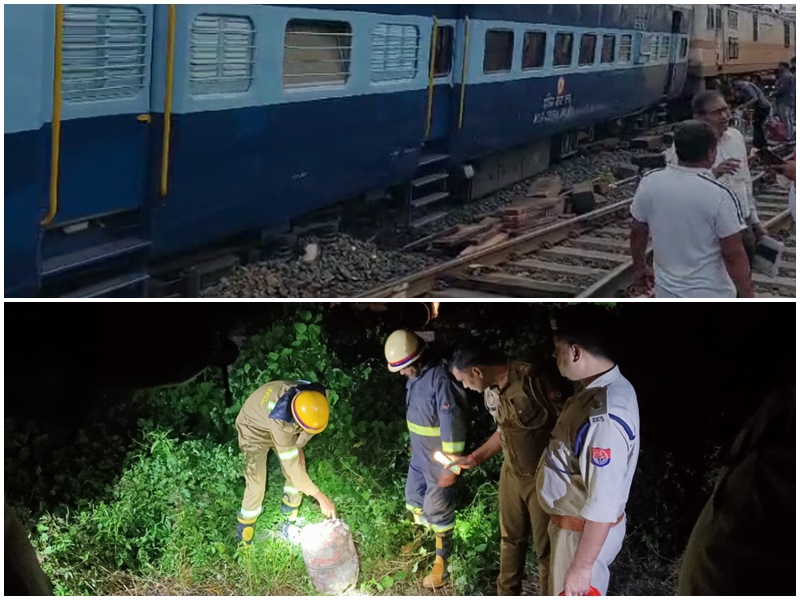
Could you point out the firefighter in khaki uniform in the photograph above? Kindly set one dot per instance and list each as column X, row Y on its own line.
column 524, row 403
column 281, row 416
column 586, row 471
column 435, row 424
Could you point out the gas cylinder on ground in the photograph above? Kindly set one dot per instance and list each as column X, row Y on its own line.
column 330, row 556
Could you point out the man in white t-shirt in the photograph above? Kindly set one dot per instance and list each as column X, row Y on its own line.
column 731, row 166
column 696, row 225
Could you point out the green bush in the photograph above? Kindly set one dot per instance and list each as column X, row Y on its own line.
column 170, row 518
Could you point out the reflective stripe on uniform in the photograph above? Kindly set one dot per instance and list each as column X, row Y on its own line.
column 426, row 431
column 415, row 509
column 442, row 528
column 289, row 454
column 287, row 489
column 249, row 514
column 452, row 447
column 271, row 406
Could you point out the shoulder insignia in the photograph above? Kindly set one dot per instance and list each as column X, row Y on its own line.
column 598, row 406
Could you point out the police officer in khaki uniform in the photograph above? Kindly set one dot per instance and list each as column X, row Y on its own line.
column 524, row 404
column 281, row 416
column 586, row 471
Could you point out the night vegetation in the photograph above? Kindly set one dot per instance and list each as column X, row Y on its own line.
column 142, row 497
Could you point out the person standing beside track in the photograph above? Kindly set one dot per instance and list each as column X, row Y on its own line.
column 753, row 98
column 785, row 100
column 731, row 166
column 695, row 223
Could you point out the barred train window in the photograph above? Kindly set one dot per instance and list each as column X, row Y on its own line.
column 533, row 50
column 684, row 47
column 562, row 51
column 316, row 53
column 787, row 35
column 648, row 49
column 609, row 47
column 221, row 56
column 733, row 19
column 588, row 47
column 755, row 27
column 499, row 51
column 103, row 53
column 665, row 43
column 395, row 52
column 710, row 18
column 625, row 48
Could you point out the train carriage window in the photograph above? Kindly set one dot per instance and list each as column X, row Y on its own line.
column 316, row 53
column 755, row 27
column 221, row 59
column 664, row 49
column 733, row 48
column 499, row 54
column 625, row 48
column 733, row 19
column 684, row 47
column 710, row 18
column 648, row 49
column 562, row 51
column 445, row 38
column 103, row 53
column 787, row 35
column 533, row 49
column 609, row 49
column 395, row 52
column 588, row 49
column 718, row 19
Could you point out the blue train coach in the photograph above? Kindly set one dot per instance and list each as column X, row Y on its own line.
column 139, row 134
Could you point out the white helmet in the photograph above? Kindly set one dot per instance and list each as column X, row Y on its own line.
column 402, row 349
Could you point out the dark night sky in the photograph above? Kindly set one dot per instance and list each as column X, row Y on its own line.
column 686, row 360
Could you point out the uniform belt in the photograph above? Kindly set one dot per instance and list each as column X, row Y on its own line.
column 575, row 523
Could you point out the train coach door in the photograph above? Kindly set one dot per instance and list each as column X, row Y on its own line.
column 674, row 54
column 440, row 92
column 101, row 90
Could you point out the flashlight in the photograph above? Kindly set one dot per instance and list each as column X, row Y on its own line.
column 447, row 463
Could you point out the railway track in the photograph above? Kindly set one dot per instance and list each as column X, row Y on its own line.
column 772, row 202
column 582, row 257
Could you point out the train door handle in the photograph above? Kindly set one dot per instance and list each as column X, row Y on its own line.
column 144, row 119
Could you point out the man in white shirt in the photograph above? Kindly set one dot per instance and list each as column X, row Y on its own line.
column 731, row 165
column 696, row 225
column 585, row 474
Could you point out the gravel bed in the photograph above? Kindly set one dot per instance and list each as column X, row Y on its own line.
column 539, row 275
column 365, row 253
column 572, row 171
column 345, row 268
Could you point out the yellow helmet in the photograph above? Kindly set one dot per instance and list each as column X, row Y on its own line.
column 311, row 411
column 402, row 349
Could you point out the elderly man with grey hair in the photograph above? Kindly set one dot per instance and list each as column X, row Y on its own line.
column 731, row 166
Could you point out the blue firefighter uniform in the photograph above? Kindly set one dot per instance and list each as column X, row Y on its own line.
column 435, row 423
